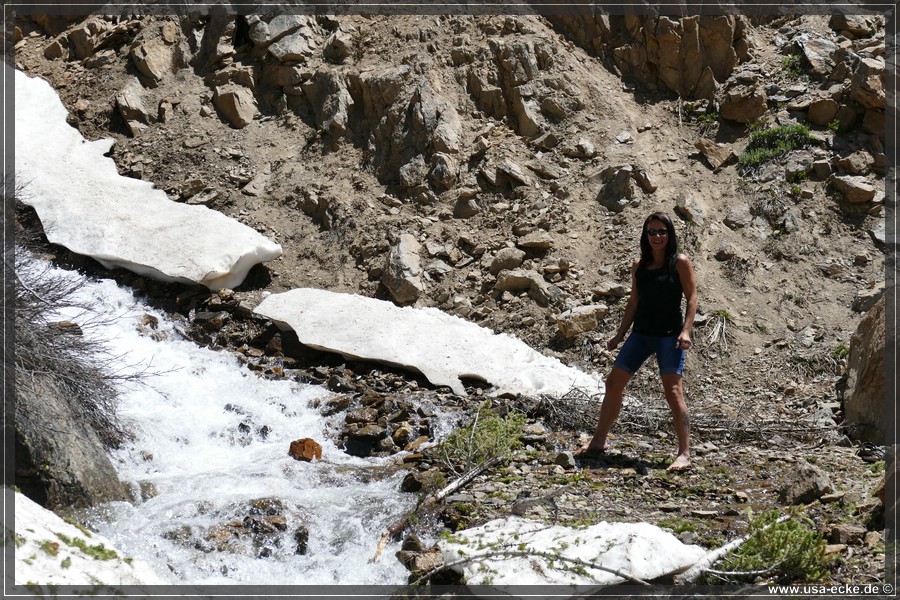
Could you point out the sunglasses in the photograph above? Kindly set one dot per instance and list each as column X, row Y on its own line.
column 657, row 232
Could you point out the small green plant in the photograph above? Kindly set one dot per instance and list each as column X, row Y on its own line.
column 487, row 437
column 834, row 126
column 708, row 118
column 757, row 124
column 795, row 190
column 792, row 66
column 80, row 527
column 677, row 526
column 877, row 467
column 840, row 351
column 772, row 143
column 783, row 551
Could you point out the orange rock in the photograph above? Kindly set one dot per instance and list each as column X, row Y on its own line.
column 305, row 449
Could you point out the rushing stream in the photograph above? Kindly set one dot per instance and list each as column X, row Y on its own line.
column 210, row 450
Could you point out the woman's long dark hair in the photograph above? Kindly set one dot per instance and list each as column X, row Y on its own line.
column 671, row 247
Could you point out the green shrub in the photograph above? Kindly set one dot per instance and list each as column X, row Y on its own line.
column 486, row 437
column 792, row 66
column 787, row 551
column 772, row 143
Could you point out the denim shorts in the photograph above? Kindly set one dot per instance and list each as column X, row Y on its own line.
column 638, row 348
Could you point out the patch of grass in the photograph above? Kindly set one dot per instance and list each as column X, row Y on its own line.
column 676, row 525
column 768, row 144
column 51, row 548
column 509, row 478
column 97, row 551
column 78, row 525
column 877, row 467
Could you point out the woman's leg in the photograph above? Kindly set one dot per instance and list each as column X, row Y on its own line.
column 609, row 410
column 682, row 420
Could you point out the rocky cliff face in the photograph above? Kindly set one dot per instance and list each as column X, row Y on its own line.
column 458, row 150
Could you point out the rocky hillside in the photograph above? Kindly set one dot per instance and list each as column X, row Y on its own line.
column 500, row 167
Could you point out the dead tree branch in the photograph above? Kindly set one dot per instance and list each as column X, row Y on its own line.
column 432, row 500
column 703, row 565
column 531, row 554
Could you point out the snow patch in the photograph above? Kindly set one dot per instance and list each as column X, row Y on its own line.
column 50, row 551
column 640, row 550
column 85, row 205
column 442, row 347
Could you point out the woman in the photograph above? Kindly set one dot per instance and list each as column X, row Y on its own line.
column 659, row 278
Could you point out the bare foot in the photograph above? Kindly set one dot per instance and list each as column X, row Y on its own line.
column 681, row 463
column 591, row 448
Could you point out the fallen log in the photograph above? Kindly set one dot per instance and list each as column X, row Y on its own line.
column 701, row 566
column 394, row 531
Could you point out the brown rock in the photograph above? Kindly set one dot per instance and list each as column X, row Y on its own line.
column 305, row 449
column 718, row 155
column 846, row 534
column 236, row 104
column 807, row 483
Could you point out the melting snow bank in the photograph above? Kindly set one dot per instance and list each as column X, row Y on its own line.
column 442, row 347
column 86, row 206
column 640, row 550
column 50, row 551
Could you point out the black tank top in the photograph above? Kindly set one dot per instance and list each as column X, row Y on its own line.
column 659, row 302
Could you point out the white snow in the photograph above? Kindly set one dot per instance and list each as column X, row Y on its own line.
column 50, row 551
column 442, row 347
column 640, row 550
column 85, row 205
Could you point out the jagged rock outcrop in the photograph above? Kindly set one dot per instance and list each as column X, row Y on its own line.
column 688, row 56
column 59, row 466
column 864, row 397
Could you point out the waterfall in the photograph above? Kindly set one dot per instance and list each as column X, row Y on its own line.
column 220, row 501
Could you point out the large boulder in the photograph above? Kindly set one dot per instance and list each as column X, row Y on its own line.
column 403, row 270
column 864, row 398
column 59, row 466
